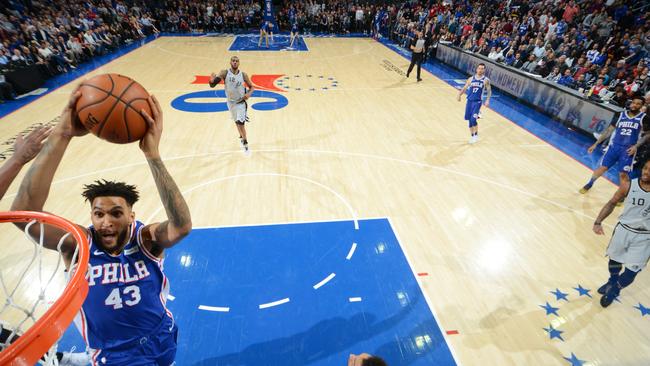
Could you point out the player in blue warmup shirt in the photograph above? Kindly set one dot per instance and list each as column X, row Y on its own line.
column 123, row 320
column 264, row 34
column 474, row 87
column 625, row 139
column 294, row 34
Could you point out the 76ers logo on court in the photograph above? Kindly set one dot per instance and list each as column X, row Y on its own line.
column 264, row 97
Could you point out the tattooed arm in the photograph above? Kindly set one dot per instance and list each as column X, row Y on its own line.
column 158, row 236
column 35, row 187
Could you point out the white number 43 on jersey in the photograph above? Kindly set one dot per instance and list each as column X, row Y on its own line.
column 130, row 293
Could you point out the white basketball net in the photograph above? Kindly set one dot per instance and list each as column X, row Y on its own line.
column 28, row 291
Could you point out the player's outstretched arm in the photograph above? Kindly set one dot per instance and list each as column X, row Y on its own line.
column 604, row 136
column 464, row 89
column 25, row 149
column 158, row 236
column 216, row 78
column 35, row 187
column 619, row 195
column 488, row 88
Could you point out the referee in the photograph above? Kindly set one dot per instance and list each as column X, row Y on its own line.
column 417, row 49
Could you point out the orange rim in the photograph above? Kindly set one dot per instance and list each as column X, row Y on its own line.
column 38, row 339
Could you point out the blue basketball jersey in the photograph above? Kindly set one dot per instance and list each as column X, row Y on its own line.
column 126, row 294
column 294, row 28
column 628, row 129
column 475, row 90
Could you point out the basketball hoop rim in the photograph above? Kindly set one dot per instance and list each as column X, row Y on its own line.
column 38, row 339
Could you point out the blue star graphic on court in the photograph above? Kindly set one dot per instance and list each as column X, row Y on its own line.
column 559, row 295
column 582, row 291
column 644, row 311
column 550, row 309
column 575, row 361
column 554, row 333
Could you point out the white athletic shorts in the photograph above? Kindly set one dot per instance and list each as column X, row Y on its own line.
column 238, row 112
column 630, row 247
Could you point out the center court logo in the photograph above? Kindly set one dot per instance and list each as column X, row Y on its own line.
column 264, row 98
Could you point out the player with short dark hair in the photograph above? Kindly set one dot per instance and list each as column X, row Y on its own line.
column 625, row 132
column 474, row 87
column 124, row 320
column 235, row 82
column 628, row 246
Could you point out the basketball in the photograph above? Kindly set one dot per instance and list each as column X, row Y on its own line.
column 109, row 107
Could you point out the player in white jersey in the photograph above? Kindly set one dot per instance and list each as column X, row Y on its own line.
column 235, row 82
column 630, row 243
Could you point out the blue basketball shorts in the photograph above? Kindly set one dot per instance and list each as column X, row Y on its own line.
column 472, row 109
column 156, row 349
column 617, row 155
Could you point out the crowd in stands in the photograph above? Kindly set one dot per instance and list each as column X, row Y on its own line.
column 55, row 36
column 599, row 47
column 229, row 16
column 340, row 17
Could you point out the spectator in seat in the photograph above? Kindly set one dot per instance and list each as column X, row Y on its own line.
column 598, row 88
column 566, row 79
column 555, row 75
column 530, row 64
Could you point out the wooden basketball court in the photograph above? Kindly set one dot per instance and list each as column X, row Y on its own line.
column 495, row 226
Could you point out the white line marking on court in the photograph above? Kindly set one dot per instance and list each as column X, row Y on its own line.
column 426, row 298
column 354, row 299
column 274, row 303
column 171, row 297
column 351, row 252
column 219, row 309
column 338, row 195
column 324, row 281
column 342, row 153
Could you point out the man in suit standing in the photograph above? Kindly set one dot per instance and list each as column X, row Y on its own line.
column 417, row 54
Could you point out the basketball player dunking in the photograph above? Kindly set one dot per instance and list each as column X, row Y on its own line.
column 474, row 87
column 237, row 95
column 123, row 320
